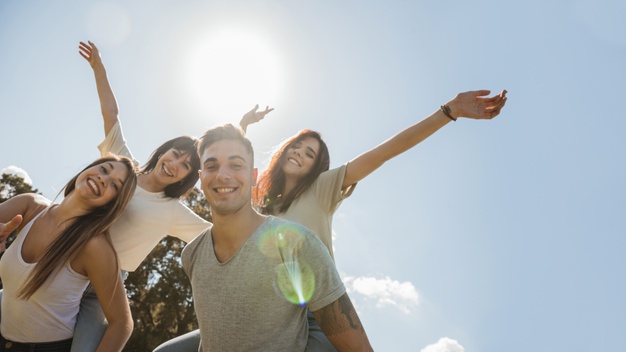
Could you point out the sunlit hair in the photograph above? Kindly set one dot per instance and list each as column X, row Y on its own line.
column 227, row 131
column 81, row 229
column 186, row 146
column 271, row 183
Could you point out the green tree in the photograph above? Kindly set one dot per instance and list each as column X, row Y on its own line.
column 12, row 185
column 159, row 291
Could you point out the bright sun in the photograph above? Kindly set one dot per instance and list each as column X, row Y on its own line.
column 227, row 72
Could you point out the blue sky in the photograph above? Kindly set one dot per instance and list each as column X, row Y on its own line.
column 490, row 235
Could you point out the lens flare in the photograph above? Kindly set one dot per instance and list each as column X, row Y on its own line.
column 296, row 282
column 280, row 237
column 295, row 279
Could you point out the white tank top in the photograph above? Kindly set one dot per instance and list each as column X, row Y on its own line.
column 50, row 313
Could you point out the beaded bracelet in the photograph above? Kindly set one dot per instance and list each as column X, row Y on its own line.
column 447, row 111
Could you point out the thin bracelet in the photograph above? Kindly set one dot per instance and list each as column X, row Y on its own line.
column 447, row 111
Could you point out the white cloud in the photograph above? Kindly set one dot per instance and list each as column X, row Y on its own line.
column 16, row 171
column 444, row 344
column 384, row 292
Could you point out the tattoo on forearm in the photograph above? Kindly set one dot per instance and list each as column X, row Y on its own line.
column 339, row 317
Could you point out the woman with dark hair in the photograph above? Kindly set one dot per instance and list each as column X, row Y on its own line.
column 155, row 209
column 58, row 251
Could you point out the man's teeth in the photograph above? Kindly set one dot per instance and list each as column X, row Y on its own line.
column 94, row 186
column 224, row 190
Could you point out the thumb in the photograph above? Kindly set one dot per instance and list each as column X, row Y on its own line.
column 482, row 92
column 10, row 226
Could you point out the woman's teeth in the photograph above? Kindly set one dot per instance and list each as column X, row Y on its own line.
column 94, row 186
column 166, row 171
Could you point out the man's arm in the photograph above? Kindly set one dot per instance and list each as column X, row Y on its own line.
column 342, row 326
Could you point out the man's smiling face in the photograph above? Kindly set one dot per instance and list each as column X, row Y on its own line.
column 227, row 176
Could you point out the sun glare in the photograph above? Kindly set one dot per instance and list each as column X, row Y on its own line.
column 226, row 72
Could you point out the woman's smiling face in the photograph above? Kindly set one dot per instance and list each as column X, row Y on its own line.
column 300, row 157
column 172, row 167
column 101, row 183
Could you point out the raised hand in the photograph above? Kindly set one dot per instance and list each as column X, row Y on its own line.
column 254, row 116
column 475, row 105
column 7, row 228
column 90, row 52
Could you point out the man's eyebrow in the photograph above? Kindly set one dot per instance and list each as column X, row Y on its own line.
column 209, row 159
column 113, row 168
column 214, row 159
column 237, row 157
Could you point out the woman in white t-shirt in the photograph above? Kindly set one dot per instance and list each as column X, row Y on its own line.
column 155, row 209
column 58, row 251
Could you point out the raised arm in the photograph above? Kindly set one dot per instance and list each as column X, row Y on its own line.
column 342, row 326
column 98, row 261
column 473, row 105
column 108, row 104
column 253, row 116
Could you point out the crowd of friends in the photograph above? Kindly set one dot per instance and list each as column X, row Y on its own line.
column 250, row 269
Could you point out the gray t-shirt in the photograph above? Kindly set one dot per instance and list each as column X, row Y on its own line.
column 257, row 299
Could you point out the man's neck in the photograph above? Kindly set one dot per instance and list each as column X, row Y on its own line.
column 231, row 231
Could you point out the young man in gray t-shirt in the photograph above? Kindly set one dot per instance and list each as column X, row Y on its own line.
column 254, row 276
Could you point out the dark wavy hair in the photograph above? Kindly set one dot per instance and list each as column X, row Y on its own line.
column 187, row 146
column 271, row 183
column 227, row 131
column 81, row 229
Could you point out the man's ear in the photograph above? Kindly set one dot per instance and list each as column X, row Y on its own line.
column 255, row 174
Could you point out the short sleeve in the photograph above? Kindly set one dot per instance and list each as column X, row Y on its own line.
column 115, row 143
column 328, row 284
column 327, row 188
column 186, row 224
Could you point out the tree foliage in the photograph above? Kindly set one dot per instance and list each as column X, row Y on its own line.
column 12, row 185
column 159, row 291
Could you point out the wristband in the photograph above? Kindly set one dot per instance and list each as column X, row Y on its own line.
column 447, row 111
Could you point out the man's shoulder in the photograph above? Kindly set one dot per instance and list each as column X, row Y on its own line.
column 190, row 249
column 296, row 235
